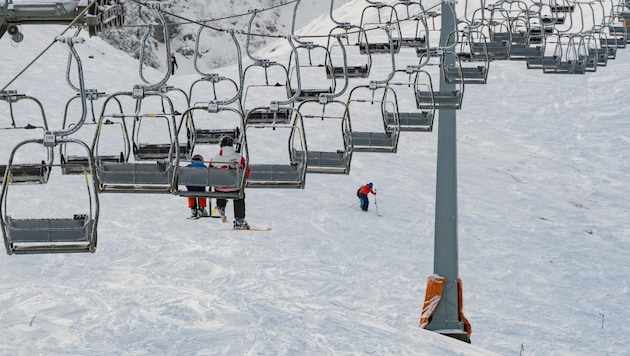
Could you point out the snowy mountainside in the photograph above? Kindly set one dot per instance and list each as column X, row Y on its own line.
column 183, row 34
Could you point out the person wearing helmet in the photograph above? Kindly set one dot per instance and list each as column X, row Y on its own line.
column 197, row 205
column 362, row 193
column 229, row 158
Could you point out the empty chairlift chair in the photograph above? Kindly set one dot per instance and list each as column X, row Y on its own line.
column 457, row 71
column 310, row 69
column 153, row 167
column 373, row 18
column 270, row 92
column 551, row 54
column 410, row 118
column 327, row 124
column 20, row 121
column 77, row 161
column 572, row 58
column 277, row 152
column 354, row 60
column 314, row 63
column 75, row 232
column 412, row 29
column 427, row 97
column 368, row 110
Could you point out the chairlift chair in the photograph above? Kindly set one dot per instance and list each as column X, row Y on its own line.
column 275, row 88
column 314, row 63
column 75, row 162
column 12, row 97
column 269, row 165
column 410, row 118
column 36, row 173
column 572, row 60
column 552, row 53
column 482, row 45
column 210, row 177
column 208, row 126
column 411, row 27
column 431, row 33
column 369, row 109
column 374, row 17
column 327, row 153
column 49, row 235
column 153, row 168
column 358, row 63
column 455, row 70
column 427, row 97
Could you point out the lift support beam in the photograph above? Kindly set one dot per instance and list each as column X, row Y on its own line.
column 95, row 14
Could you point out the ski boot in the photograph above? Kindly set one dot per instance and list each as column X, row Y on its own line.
column 221, row 212
column 240, row 224
column 202, row 212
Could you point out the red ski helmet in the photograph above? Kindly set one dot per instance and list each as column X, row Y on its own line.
column 197, row 157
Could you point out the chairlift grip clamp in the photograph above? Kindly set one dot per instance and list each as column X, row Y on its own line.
column 50, row 139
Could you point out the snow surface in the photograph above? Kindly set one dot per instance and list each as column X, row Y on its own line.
column 543, row 234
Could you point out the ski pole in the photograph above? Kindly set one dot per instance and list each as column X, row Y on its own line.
column 376, row 205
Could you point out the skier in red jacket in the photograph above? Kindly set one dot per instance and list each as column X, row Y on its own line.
column 362, row 193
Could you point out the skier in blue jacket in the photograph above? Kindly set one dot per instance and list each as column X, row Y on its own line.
column 197, row 205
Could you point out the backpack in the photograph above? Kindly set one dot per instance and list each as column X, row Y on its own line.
column 358, row 190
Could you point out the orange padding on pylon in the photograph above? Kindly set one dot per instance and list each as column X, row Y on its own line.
column 435, row 286
column 460, row 302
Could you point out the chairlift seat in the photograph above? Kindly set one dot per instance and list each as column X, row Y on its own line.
column 269, row 117
column 352, row 71
column 151, row 151
column 562, row 8
column 491, row 49
column 544, row 62
column 565, row 67
column 423, row 51
column 374, row 142
column 379, row 48
column 467, row 75
column 601, row 56
column 134, row 176
column 30, row 236
column 525, row 52
column 306, row 94
column 411, row 121
column 213, row 136
column 613, row 42
column 553, row 20
column 413, row 42
column 536, row 34
column 276, row 176
column 439, row 99
column 337, row 162
column 27, row 173
column 210, row 177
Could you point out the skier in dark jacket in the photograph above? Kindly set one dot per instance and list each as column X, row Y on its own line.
column 362, row 193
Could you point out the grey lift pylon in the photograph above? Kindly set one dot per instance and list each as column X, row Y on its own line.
column 446, row 318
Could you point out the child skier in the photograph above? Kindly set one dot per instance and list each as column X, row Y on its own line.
column 362, row 193
column 197, row 205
